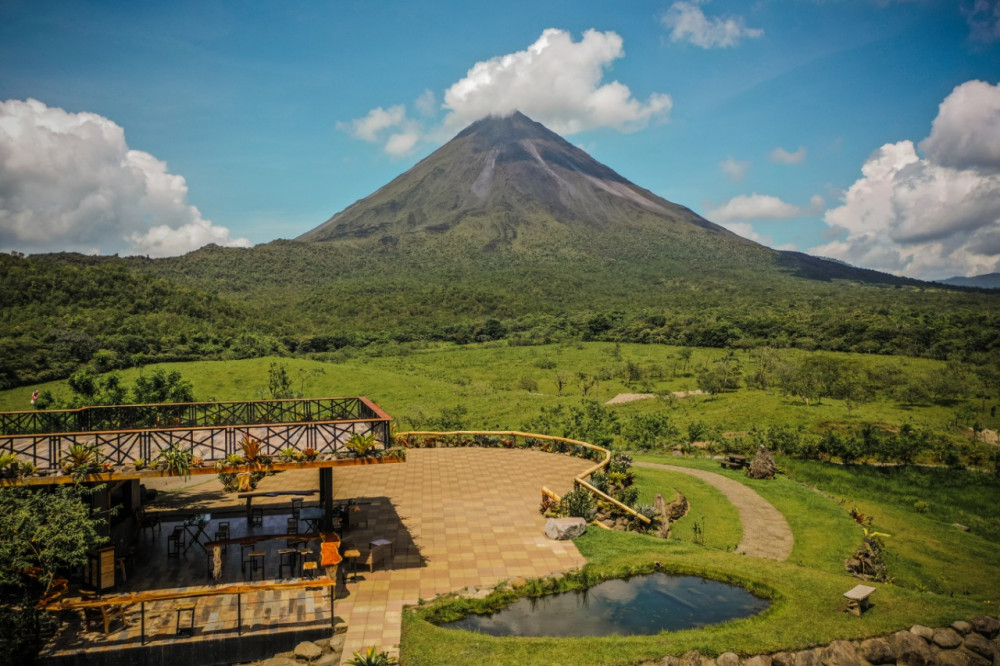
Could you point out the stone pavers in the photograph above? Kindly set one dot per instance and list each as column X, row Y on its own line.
column 463, row 517
column 472, row 515
column 766, row 533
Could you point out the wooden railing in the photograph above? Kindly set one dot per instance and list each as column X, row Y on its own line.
column 323, row 425
column 579, row 480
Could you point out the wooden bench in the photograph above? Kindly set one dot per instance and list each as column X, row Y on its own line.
column 857, row 599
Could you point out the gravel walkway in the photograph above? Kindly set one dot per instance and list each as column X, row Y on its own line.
column 765, row 531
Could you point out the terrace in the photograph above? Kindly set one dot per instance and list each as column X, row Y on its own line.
column 455, row 518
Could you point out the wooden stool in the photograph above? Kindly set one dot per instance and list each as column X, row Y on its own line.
column 256, row 561
column 351, row 557
column 175, row 542
column 287, row 558
column 309, row 569
column 188, row 627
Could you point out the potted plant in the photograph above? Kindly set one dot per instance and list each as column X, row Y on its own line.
column 176, row 461
column 363, row 446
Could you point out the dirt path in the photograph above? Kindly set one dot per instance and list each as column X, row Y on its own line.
column 765, row 531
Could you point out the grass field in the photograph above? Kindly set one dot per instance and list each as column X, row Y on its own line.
column 486, row 386
column 941, row 572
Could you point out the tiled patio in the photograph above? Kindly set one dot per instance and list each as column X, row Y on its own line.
column 465, row 517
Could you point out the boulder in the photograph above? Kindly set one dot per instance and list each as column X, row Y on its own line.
column 279, row 661
column 980, row 645
column 328, row 659
column 308, row 650
column 925, row 633
column 692, row 658
column 670, row 660
column 877, row 651
column 807, row 658
column 759, row 660
column 840, row 653
column 974, row 659
column 950, row 657
column 562, row 529
column 961, row 626
column 911, row 649
column 947, row 639
column 985, row 625
column 728, row 659
column 782, row 659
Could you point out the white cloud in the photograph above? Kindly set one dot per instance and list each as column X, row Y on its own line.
column 68, row 181
column 735, row 169
column 688, row 23
column 756, row 207
column 782, row 156
column 555, row 81
column 935, row 216
column 984, row 20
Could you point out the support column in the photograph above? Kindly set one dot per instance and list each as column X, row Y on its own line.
column 326, row 497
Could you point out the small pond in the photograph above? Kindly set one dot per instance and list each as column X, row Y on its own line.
column 646, row 604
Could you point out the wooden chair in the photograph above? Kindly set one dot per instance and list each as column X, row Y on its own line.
column 375, row 554
column 148, row 521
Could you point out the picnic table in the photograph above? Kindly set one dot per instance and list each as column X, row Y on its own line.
column 195, row 527
column 734, row 462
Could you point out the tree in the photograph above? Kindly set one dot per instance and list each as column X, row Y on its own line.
column 278, row 383
column 42, row 533
column 160, row 386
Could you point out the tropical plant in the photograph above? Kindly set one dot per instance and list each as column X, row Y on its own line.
column 251, row 448
column 8, row 463
column 290, row 454
column 82, row 459
column 578, row 503
column 373, row 657
column 363, row 445
column 176, row 461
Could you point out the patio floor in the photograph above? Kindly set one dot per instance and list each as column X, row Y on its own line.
column 457, row 517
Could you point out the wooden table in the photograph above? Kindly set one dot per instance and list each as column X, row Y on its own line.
column 269, row 493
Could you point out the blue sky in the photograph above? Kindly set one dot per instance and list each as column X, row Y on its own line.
column 867, row 131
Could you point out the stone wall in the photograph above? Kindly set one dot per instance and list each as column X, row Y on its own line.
column 972, row 643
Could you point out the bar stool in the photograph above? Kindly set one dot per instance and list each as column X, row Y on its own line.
column 175, row 542
column 296, row 507
column 255, row 560
column 256, row 517
column 309, row 569
column 188, row 626
column 287, row 557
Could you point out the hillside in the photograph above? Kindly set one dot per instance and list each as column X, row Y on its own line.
column 505, row 232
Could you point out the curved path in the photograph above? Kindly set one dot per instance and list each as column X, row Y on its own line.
column 765, row 531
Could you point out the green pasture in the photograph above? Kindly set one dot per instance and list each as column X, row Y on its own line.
column 493, row 385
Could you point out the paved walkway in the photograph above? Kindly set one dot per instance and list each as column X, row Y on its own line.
column 765, row 531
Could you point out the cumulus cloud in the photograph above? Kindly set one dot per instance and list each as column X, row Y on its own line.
column 68, row 181
column 735, row 169
column 782, row 156
column 932, row 216
column 556, row 81
column 688, row 23
column 760, row 207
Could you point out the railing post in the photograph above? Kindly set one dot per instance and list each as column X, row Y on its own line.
column 239, row 614
column 142, row 623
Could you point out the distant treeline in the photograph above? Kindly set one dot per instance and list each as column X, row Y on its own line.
column 63, row 312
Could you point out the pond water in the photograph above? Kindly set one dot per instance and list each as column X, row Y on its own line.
column 646, row 604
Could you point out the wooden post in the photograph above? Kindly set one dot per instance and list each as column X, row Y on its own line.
column 326, row 497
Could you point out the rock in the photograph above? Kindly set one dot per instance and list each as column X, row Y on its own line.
column 728, row 659
column 782, row 659
column 924, row 632
column 670, row 660
column 950, row 657
column 974, row 659
column 807, row 658
column 840, row 653
column 985, row 625
column 980, row 645
column 308, row 650
column 337, row 643
column 562, row 529
column 279, row 661
column 960, row 526
column 877, row 651
column 328, row 659
column 322, row 643
column 759, row 660
column 660, row 504
column 911, row 649
column 692, row 658
column 947, row 638
column 961, row 626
